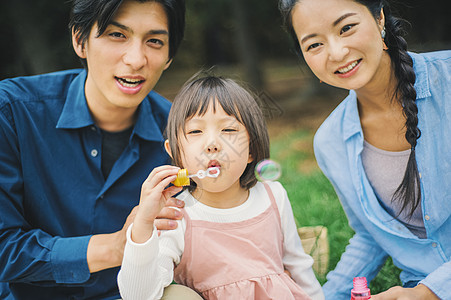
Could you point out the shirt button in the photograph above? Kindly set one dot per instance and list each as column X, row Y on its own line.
column 419, row 174
column 426, row 217
column 434, row 245
column 101, row 196
column 93, row 128
column 94, row 152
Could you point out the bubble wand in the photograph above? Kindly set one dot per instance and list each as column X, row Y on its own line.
column 183, row 176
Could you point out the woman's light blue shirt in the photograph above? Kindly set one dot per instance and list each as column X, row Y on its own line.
column 338, row 144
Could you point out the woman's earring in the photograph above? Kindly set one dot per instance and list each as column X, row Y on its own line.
column 383, row 34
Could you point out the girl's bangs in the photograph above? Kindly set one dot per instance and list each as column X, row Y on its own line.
column 204, row 97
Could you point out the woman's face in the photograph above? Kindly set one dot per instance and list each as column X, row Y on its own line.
column 341, row 42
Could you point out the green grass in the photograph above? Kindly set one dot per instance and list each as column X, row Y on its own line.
column 314, row 200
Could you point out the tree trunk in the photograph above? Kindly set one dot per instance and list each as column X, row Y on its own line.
column 246, row 45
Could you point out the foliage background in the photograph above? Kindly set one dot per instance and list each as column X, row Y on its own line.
column 246, row 34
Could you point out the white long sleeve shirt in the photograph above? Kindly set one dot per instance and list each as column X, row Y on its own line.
column 148, row 268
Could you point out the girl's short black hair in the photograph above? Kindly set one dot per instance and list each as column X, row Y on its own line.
column 86, row 13
column 195, row 98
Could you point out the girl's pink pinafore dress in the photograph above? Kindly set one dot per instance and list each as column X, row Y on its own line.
column 239, row 260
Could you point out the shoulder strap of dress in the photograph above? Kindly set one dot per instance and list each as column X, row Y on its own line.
column 270, row 194
column 271, row 197
column 185, row 215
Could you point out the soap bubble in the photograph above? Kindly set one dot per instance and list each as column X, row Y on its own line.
column 267, row 170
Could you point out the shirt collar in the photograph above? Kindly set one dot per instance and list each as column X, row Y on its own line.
column 351, row 119
column 146, row 126
column 421, row 76
column 76, row 113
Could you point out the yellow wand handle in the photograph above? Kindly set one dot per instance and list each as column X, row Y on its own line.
column 182, row 178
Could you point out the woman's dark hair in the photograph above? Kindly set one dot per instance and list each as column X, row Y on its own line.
column 85, row 13
column 202, row 91
column 409, row 191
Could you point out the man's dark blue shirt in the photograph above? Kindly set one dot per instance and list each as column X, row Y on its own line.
column 53, row 195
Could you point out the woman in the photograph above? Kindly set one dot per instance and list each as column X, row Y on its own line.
column 384, row 148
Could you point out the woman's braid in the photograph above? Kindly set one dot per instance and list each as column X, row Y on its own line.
column 408, row 192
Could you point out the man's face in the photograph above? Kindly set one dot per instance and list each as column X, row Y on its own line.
column 127, row 60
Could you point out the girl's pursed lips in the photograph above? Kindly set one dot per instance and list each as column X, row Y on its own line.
column 214, row 163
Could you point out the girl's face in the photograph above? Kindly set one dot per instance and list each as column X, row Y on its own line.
column 341, row 42
column 215, row 140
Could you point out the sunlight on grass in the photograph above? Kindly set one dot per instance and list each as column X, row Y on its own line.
column 314, row 200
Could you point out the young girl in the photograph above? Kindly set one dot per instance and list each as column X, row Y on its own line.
column 238, row 239
column 386, row 147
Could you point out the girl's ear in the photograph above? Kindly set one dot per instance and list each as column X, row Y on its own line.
column 78, row 45
column 168, row 148
column 250, row 159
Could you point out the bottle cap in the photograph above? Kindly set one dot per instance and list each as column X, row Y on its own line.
column 360, row 289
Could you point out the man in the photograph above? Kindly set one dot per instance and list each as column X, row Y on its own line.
column 75, row 147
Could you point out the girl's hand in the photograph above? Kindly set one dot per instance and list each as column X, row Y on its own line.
column 154, row 195
column 419, row 292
